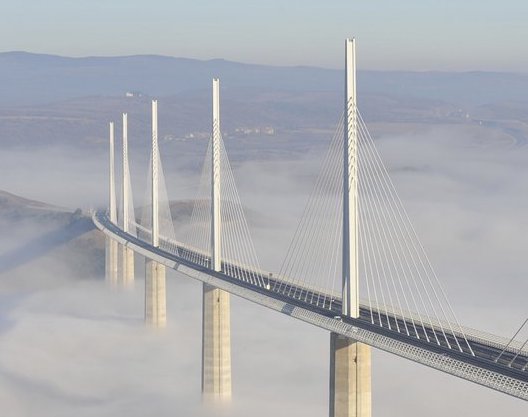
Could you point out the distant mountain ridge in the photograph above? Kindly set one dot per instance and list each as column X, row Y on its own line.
column 34, row 78
column 8, row 200
column 28, row 78
column 14, row 208
column 32, row 229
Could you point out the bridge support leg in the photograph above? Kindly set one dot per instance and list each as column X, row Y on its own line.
column 127, row 267
column 216, row 345
column 111, row 261
column 350, row 378
column 155, row 297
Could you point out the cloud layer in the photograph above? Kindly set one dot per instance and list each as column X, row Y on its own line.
column 74, row 347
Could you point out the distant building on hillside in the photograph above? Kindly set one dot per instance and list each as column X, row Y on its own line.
column 245, row 131
column 132, row 94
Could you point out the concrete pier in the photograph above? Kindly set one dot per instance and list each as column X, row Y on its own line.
column 216, row 345
column 111, row 261
column 155, row 298
column 350, row 378
column 127, row 267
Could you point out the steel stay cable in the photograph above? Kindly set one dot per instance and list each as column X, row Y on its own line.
column 330, row 238
column 426, row 258
column 286, row 266
column 200, row 212
column 367, row 266
column 241, row 228
column 378, row 207
column 384, row 187
column 392, row 240
column 363, row 259
column 233, row 242
column 381, row 169
column 376, row 254
column 298, row 242
column 326, row 199
column 311, row 219
column 373, row 214
column 400, row 209
column 203, row 211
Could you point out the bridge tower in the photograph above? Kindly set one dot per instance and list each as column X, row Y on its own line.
column 111, row 245
column 350, row 361
column 216, row 326
column 127, row 254
column 155, row 297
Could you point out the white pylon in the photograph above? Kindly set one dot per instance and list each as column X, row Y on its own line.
column 350, row 286
column 216, row 244
column 111, row 259
column 155, row 282
column 111, row 189
column 127, row 258
column 125, row 174
column 155, row 180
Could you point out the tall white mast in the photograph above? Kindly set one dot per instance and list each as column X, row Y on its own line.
column 111, row 189
column 350, row 306
column 126, row 180
column 216, row 249
column 155, row 186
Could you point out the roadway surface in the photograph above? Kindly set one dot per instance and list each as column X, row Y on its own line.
column 483, row 353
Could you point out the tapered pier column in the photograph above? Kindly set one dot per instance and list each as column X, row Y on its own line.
column 350, row 378
column 111, row 245
column 216, row 326
column 155, row 297
column 350, row 363
column 111, row 262
column 127, row 254
column 216, row 345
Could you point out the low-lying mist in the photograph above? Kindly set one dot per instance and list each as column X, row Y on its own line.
column 71, row 346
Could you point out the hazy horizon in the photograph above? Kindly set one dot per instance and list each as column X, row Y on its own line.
column 428, row 35
column 277, row 65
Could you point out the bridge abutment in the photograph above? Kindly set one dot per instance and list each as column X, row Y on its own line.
column 350, row 378
column 216, row 344
column 155, row 295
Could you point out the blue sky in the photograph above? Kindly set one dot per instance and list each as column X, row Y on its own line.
column 405, row 34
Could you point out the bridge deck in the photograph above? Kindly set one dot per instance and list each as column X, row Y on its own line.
column 420, row 346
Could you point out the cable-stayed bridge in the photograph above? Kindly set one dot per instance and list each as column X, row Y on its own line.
column 355, row 266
